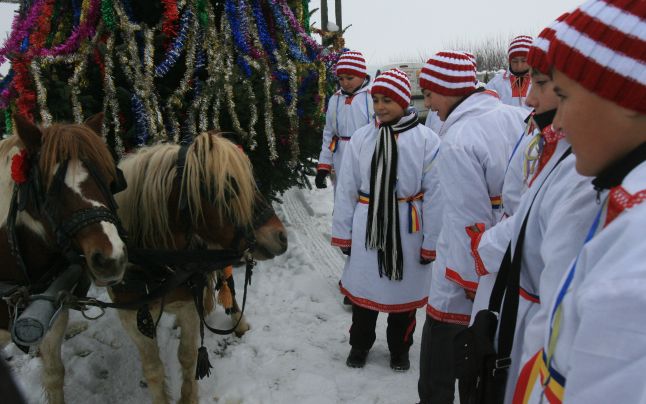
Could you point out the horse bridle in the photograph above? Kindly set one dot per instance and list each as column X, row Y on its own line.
column 44, row 200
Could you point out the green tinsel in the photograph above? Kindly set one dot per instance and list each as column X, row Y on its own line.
column 306, row 16
column 108, row 14
column 202, row 15
column 7, row 121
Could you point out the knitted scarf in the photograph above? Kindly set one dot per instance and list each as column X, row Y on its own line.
column 382, row 229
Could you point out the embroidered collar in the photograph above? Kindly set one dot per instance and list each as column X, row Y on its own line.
column 616, row 172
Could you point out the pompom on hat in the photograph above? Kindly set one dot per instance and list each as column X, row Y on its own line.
column 519, row 46
column 394, row 84
column 602, row 46
column 352, row 63
column 449, row 73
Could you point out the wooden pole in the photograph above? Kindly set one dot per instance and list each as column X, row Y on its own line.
column 337, row 13
column 324, row 18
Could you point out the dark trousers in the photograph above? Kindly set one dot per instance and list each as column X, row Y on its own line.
column 399, row 332
column 436, row 383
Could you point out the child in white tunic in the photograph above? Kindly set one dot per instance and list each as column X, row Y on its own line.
column 386, row 218
column 479, row 134
column 563, row 207
column 593, row 345
column 348, row 109
column 513, row 84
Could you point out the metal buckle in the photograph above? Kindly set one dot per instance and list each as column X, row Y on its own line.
column 501, row 364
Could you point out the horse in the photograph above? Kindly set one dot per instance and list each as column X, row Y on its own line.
column 181, row 198
column 61, row 211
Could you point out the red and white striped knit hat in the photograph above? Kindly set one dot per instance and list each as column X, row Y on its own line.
column 519, row 46
column 394, row 84
column 537, row 56
column 601, row 46
column 352, row 63
column 449, row 73
column 472, row 58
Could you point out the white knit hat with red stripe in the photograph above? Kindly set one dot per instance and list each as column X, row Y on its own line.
column 449, row 73
column 394, row 84
column 537, row 56
column 519, row 46
column 352, row 63
column 601, row 46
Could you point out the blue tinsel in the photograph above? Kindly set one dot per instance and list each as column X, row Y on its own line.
column 238, row 37
column 175, row 50
column 141, row 123
column 266, row 39
column 76, row 11
column 284, row 27
column 200, row 53
column 24, row 45
column 7, row 79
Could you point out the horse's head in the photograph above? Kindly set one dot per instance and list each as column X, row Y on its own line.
column 271, row 236
column 67, row 194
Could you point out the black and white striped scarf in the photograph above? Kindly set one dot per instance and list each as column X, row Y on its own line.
column 382, row 229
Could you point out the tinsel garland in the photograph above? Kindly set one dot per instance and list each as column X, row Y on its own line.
column 21, row 84
column 86, row 29
column 141, row 121
column 107, row 15
column 169, row 18
column 43, row 26
column 20, row 28
column 296, row 25
column 202, row 14
column 305, row 10
column 110, row 104
column 8, row 122
column 41, row 91
column 175, row 49
column 286, row 33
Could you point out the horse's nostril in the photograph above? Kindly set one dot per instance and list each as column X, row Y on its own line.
column 98, row 260
column 282, row 237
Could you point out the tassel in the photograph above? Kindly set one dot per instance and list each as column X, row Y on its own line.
column 225, row 297
column 203, row 368
column 333, row 143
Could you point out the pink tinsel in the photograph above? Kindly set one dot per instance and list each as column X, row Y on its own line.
column 297, row 26
column 83, row 31
column 20, row 30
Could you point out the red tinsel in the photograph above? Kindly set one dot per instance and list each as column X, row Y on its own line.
column 22, row 85
column 20, row 167
column 170, row 20
column 42, row 29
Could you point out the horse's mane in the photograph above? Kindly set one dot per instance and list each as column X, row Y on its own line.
column 213, row 165
column 61, row 142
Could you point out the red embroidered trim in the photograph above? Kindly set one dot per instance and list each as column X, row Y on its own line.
column 341, row 242
column 453, row 318
column 620, row 200
column 20, row 166
column 481, row 270
column 384, row 308
column 428, row 254
column 324, row 167
column 455, row 277
column 492, row 93
column 528, row 296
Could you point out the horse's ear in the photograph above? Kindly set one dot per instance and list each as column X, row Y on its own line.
column 28, row 132
column 95, row 122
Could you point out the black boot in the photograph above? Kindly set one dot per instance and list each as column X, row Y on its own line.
column 399, row 362
column 346, row 301
column 357, row 358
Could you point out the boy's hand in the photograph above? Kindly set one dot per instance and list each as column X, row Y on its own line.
column 319, row 181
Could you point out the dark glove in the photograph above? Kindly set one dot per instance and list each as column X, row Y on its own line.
column 346, row 250
column 320, row 178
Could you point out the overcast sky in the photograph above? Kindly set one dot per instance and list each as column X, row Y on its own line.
column 389, row 31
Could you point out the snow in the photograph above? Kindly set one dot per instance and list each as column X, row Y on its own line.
column 294, row 353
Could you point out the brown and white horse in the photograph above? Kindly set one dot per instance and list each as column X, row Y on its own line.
column 66, row 173
column 205, row 199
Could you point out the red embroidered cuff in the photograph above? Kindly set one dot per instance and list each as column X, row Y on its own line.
column 322, row 166
column 341, row 242
column 428, row 254
column 464, row 284
column 475, row 237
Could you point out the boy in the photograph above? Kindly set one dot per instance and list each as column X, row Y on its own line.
column 512, row 85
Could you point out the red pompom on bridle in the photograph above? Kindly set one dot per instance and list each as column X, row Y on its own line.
column 20, row 167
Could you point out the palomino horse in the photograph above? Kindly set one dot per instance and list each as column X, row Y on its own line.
column 62, row 211
column 181, row 198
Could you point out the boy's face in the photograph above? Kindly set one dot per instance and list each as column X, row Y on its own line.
column 386, row 109
column 599, row 130
column 441, row 104
column 519, row 64
column 541, row 95
column 348, row 82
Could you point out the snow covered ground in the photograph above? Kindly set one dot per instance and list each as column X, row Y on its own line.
column 294, row 353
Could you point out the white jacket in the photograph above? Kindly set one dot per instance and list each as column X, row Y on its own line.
column 416, row 174
column 343, row 117
column 478, row 137
column 502, row 84
column 600, row 347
